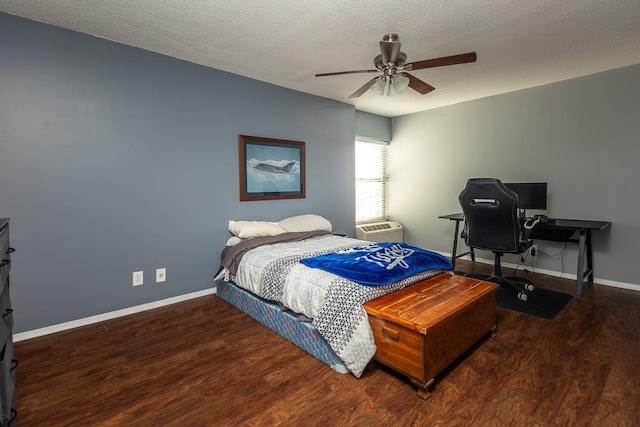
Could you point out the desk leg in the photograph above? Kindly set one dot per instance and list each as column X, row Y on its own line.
column 454, row 253
column 589, row 257
column 580, row 272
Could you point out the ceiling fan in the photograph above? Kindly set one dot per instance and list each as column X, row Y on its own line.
column 393, row 65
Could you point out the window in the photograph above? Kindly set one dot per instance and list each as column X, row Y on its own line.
column 371, row 181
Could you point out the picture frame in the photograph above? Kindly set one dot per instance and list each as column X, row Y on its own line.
column 271, row 169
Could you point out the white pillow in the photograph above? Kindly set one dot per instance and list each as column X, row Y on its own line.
column 233, row 240
column 250, row 229
column 309, row 222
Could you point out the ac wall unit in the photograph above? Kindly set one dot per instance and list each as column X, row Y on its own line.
column 387, row 231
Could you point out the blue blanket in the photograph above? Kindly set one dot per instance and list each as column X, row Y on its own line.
column 379, row 263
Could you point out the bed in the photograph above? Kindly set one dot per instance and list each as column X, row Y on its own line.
column 276, row 273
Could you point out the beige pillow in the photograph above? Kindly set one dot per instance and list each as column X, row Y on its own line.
column 309, row 222
column 250, row 229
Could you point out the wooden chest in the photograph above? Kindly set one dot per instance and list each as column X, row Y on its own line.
column 421, row 329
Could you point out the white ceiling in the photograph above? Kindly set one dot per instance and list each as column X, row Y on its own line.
column 520, row 43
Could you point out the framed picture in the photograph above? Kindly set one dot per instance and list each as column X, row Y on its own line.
column 271, row 168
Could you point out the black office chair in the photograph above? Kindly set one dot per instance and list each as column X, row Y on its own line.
column 492, row 223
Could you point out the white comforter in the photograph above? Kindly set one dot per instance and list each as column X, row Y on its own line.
column 305, row 288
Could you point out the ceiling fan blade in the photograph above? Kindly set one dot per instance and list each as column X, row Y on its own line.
column 337, row 73
column 364, row 88
column 440, row 62
column 418, row 85
column 390, row 51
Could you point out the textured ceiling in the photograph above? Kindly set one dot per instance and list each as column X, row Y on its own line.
column 519, row 44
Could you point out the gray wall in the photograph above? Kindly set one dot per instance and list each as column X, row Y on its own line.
column 581, row 136
column 372, row 126
column 115, row 159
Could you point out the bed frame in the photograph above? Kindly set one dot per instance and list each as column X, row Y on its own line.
column 284, row 322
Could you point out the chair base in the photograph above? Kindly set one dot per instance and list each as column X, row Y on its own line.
column 519, row 285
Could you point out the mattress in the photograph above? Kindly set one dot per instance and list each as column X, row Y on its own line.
column 284, row 322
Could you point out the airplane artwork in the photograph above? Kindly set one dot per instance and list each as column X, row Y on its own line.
column 270, row 168
column 274, row 169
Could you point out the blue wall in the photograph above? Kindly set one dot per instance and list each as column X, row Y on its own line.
column 372, row 126
column 115, row 159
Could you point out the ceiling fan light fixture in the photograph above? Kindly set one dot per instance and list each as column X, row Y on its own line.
column 401, row 82
column 378, row 87
column 392, row 90
column 397, row 84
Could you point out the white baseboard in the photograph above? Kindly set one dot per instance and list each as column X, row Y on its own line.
column 596, row 280
column 108, row 316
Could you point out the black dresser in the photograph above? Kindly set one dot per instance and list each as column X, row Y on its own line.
column 7, row 362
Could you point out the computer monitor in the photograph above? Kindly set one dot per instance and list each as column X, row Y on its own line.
column 531, row 195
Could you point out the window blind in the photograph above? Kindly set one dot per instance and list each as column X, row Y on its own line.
column 371, row 181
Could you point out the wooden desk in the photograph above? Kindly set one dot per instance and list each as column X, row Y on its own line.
column 583, row 227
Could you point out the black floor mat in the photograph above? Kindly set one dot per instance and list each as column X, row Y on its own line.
column 540, row 303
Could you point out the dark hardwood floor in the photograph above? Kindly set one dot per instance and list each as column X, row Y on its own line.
column 204, row 363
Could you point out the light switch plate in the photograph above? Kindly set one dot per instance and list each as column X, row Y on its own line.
column 138, row 278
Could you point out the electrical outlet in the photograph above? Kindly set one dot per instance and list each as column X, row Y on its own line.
column 137, row 278
column 161, row 275
column 533, row 250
